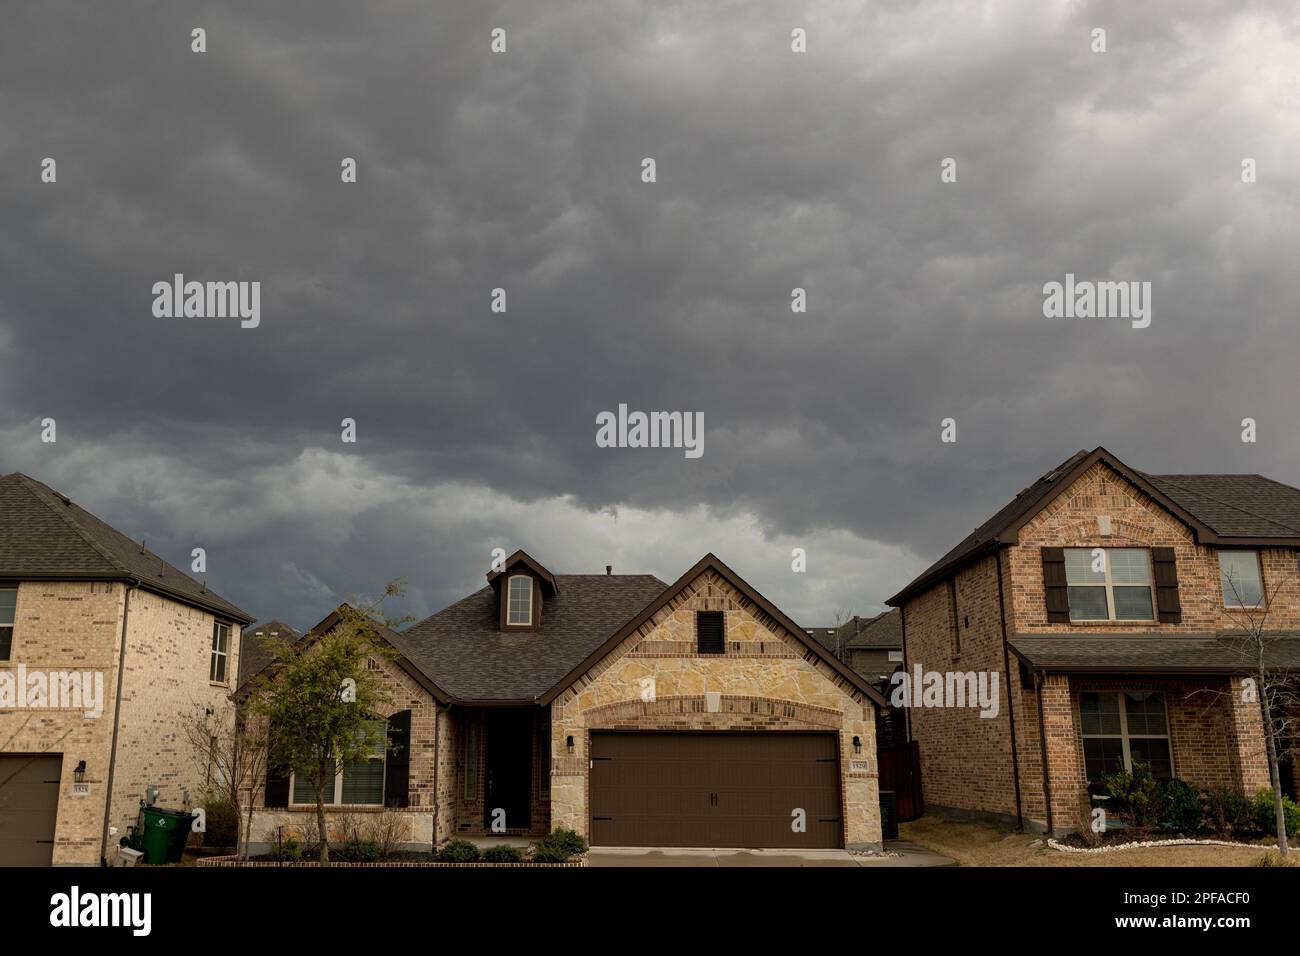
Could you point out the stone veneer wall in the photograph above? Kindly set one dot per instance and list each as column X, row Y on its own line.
column 766, row 680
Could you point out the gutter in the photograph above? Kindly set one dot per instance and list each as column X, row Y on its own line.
column 1011, row 715
column 117, row 723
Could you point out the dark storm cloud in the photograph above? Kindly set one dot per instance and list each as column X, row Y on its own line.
column 522, row 171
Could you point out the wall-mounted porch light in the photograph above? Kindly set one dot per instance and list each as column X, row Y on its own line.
column 857, row 745
column 568, row 742
column 79, row 775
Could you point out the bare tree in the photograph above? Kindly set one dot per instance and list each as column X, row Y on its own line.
column 1273, row 681
column 842, row 618
column 233, row 752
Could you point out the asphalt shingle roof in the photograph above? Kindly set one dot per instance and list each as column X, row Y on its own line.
column 884, row 632
column 43, row 534
column 1222, row 652
column 1249, row 507
column 253, row 654
column 463, row 649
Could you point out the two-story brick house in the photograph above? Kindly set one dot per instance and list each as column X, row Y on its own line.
column 105, row 649
column 1101, row 598
column 632, row 711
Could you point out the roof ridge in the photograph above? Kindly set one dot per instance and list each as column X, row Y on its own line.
column 99, row 549
column 1226, row 504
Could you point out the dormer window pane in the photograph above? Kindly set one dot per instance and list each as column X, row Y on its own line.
column 519, row 609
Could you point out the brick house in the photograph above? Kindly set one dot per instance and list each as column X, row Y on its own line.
column 1099, row 597
column 634, row 712
column 105, row 649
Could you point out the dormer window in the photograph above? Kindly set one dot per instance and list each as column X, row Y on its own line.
column 519, row 607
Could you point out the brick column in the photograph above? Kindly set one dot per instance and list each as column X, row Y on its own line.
column 1064, row 767
column 1247, row 751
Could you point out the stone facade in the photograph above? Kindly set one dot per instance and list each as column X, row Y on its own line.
column 766, row 680
column 967, row 763
column 77, row 626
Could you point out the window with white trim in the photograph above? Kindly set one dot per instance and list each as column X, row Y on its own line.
column 1109, row 584
column 519, row 600
column 1240, row 579
column 357, row 784
column 1120, row 730
column 8, row 607
column 220, row 652
column 895, row 656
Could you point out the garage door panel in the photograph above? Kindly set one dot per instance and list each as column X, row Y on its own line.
column 715, row 789
column 29, row 802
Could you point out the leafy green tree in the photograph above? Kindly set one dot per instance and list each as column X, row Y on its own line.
column 318, row 697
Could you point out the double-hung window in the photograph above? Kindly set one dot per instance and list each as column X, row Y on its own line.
column 220, row 652
column 1240, row 579
column 360, row 783
column 519, row 600
column 8, row 605
column 1121, row 730
column 1109, row 584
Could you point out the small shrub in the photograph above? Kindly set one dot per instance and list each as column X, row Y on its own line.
column 1182, row 808
column 288, row 850
column 503, row 854
column 1277, row 859
column 558, row 846
column 1136, row 797
column 222, row 821
column 1265, row 813
column 458, row 851
column 549, row 853
column 356, row 851
column 1229, row 812
column 388, row 829
column 567, row 840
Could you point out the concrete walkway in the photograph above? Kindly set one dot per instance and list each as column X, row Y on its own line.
column 908, row 854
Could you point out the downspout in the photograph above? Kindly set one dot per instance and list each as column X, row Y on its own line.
column 1011, row 714
column 907, row 714
column 117, row 723
column 1042, row 743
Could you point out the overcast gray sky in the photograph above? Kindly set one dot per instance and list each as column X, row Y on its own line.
column 522, row 170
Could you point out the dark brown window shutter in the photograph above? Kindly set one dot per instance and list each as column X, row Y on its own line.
column 397, row 761
column 277, row 790
column 1054, row 587
column 1165, row 568
column 709, row 632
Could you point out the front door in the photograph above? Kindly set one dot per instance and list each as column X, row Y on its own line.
column 508, row 762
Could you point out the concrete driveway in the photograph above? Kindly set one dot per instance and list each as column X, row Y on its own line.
column 897, row 853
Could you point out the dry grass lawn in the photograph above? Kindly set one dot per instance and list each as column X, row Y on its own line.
column 973, row 844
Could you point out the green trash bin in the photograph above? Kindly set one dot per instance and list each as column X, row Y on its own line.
column 165, row 835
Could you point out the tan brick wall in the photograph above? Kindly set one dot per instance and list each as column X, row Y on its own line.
column 70, row 626
column 165, row 686
column 402, row 692
column 765, row 680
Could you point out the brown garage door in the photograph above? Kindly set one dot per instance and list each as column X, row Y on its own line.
column 721, row 790
column 29, row 803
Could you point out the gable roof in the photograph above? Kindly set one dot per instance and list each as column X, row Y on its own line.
column 884, row 632
column 1220, row 509
column 712, row 562
column 264, row 657
column 253, row 653
column 463, row 648
column 528, row 561
column 44, row 535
